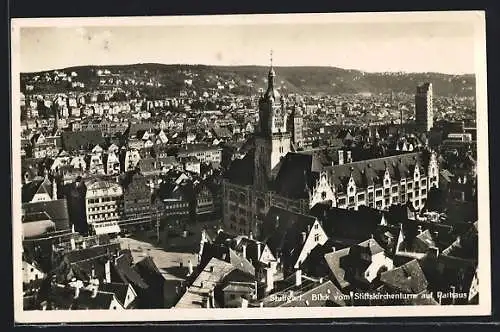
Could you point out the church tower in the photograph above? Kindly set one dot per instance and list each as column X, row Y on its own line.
column 272, row 140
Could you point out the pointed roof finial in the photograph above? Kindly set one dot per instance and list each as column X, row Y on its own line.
column 271, row 69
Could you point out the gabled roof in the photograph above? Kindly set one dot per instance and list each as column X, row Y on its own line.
column 372, row 245
column 333, row 260
column 63, row 298
column 127, row 274
column 283, row 228
column 29, row 190
column 197, row 294
column 408, row 278
column 444, row 271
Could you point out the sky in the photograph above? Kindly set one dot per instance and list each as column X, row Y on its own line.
column 432, row 46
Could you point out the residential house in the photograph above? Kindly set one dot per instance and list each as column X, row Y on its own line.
column 291, row 236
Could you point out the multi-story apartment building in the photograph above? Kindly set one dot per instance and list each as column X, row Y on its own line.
column 204, row 153
column 103, row 206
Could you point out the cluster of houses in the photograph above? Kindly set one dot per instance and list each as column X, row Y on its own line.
column 91, row 273
column 336, row 257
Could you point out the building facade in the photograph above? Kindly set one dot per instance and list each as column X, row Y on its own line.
column 424, row 114
column 103, row 206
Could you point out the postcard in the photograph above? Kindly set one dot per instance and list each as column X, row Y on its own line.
column 235, row 167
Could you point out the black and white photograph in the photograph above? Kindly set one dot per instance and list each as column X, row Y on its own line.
column 225, row 167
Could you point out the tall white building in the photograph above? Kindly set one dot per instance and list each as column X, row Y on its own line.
column 103, row 206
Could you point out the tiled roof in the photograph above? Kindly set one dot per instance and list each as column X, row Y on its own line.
column 32, row 188
column 444, row 271
column 307, row 298
column 372, row 245
column 119, row 289
column 283, row 228
column 63, row 299
column 197, row 294
column 333, row 259
column 408, row 278
column 56, row 209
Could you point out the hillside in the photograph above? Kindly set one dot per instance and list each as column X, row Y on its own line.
column 248, row 79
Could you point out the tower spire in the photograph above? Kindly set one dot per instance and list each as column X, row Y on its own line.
column 271, row 69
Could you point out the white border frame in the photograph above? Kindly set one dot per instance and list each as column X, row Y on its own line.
column 94, row 316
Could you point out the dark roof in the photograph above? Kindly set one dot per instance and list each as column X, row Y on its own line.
column 32, row 188
column 76, row 140
column 87, row 254
column 297, row 175
column 408, row 278
column 349, row 224
column 444, row 271
column 119, row 289
column 56, row 209
column 127, row 274
column 333, row 297
column 36, row 216
column 241, row 171
column 283, row 231
column 62, row 297
column 225, row 253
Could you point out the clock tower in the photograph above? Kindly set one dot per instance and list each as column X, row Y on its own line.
column 272, row 140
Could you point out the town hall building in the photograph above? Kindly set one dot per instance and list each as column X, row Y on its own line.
column 275, row 173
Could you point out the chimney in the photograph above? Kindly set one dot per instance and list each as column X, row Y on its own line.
column 341, row 157
column 95, row 289
column 453, row 292
column 334, row 249
column 244, row 303
column 84, row 244
column 269, row 279
column 54, row 189
column 93, row 272
column 190, row 268
column 259, row 250
column 304, row 237
column 250, row 236
column 244, row 248
column 107, row 271
column 349, row 157
column 73, row 244
column 212, row 298
column 78, row 286
column 434, row 252
column 298, row 277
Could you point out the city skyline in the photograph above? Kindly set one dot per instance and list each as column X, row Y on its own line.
column 375, row 46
